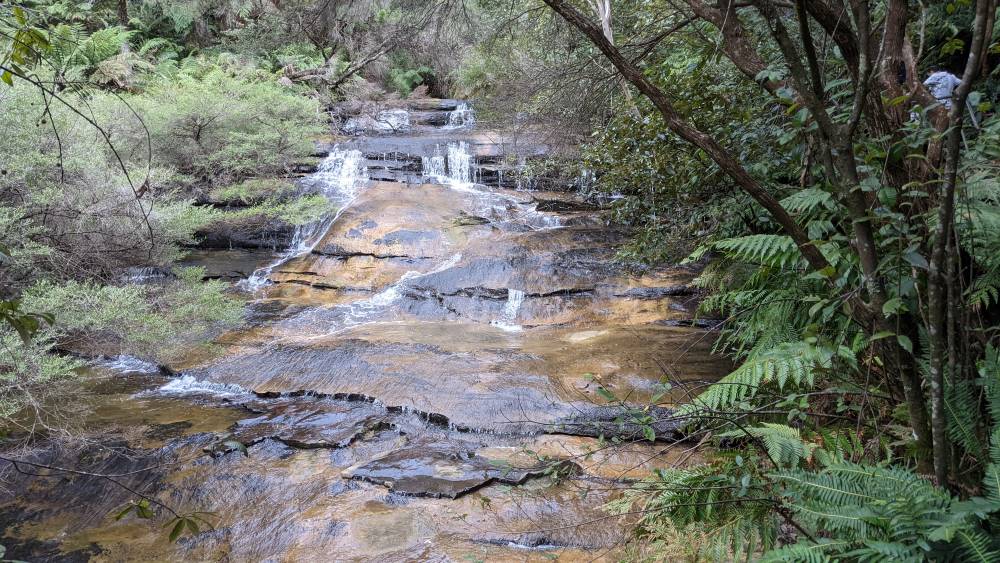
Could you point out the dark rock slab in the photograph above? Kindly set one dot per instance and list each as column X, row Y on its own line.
column 437, row 471
column 624, row 423
column 656, row 292
column 302, row 423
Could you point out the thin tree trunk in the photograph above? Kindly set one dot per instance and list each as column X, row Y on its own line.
column 937, row 299
column 123, row 12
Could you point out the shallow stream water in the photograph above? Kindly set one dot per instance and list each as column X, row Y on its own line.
column 411, row 370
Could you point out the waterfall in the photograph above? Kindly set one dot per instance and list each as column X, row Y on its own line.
column 434, row 167
column 339, row 178
column 508, row 318
column 459, row 163
column 461, row 116
column 128, row 364
column 453, row 168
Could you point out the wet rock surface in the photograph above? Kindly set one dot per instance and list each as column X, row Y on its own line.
column 420, row 377
column 438, row 471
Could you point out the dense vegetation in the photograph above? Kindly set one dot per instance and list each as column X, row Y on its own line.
column 847, row 222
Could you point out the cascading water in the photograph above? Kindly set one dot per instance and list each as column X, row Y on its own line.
column 508, row 318
column 459, row 163
column 340, row 317
column 453, row 168
column 461, row 117
column 339, row 178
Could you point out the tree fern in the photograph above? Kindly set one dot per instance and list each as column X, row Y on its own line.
column 783, row 443
column 771, row 250
column 791, row 362
column 808, row 201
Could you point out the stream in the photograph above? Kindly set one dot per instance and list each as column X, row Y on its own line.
column 417, row 381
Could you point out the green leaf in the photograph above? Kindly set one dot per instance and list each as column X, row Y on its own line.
column 905, row 342
column 649, row 433
column 176, row 531
column 124, row 512
column 893, row 306
column 236, row 445
column 918, row 261
column 604, row 393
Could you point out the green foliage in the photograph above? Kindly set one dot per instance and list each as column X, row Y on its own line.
column 721, row 494
column 136, row 319
column 784, row 444
column 29, row 370
column 218, row 127
column 887, row 512
column 254, row 191
column 789, row 364
column 405, row 80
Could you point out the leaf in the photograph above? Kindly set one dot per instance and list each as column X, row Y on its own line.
column 905, row 342
column 176, row 531
column 918, row 261
column 124, row 512
column 604, row 393
column 893, row 306
column 649, row 433
column 236, row 445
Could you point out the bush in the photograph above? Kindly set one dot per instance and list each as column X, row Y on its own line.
column 220, row 128
column 145, row 320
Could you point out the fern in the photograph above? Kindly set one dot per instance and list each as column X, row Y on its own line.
column 703, row 496
column 962, row 405
column 770, row 250
column 887, row 513
column 804, row 552
column 792, row 362
column 808, row 201
column 783, row 443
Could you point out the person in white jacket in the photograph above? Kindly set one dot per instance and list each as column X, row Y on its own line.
column 942, row 85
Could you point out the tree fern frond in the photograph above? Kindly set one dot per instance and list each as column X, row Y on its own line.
column 808, row 200
column 977, row 546
column 772, row 250
column 783, row 443
column 793, row 362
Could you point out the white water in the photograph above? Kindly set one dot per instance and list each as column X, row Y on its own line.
column 190, row 385
column 339, row 178
column 453, row 168
column 128, row 364
column 341, row 317
column 462, row 116
column 143, row 274
column 508, row 318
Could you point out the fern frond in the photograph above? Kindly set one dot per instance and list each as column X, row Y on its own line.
column 791, row 362
column 808, row 200
column 770, row 250
column 962, row 406
column 977, row 546
column 783, row 443
column 806, row 552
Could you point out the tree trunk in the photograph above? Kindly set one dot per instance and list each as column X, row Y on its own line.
column 123, row 12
